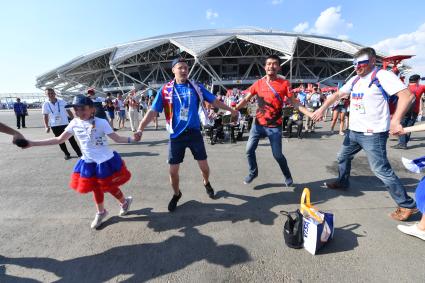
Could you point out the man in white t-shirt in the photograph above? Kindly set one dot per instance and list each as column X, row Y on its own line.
column 119, row 105
column 370, row 124
column 55, row 117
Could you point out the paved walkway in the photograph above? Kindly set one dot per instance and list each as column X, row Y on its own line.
column 45, row 234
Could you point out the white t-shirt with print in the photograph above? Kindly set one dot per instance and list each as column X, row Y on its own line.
column 369, row 111
column 57, row 113
column 120, row 104
column 93, row 141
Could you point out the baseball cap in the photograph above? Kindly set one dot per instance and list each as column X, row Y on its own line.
column 178, row 60
column 80, row 100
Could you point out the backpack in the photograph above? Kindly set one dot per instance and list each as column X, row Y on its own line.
column 392, row 100
column 293, row 229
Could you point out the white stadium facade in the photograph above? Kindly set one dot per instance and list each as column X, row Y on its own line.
column 220, row 58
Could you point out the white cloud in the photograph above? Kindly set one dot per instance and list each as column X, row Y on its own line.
column 210, row 14
column 277, row 2
column 330, row 22
column 407, row 44
column 343, row 37
column 301, row 27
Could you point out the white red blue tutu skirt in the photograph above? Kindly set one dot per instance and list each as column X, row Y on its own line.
column 90, row 176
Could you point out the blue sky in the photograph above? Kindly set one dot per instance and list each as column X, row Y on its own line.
column 40, row 35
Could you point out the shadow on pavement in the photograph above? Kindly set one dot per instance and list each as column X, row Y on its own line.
column 142, row 262
column 345, row 239
column 195, row 214
column 138, row 153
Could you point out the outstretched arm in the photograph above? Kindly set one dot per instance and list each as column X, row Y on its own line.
column 120, row 139
column 297, row 105
column 416, row 128
column 56, row 140
column 218, row 104
column 318, row 114
column 8, row 130
column 244, row 101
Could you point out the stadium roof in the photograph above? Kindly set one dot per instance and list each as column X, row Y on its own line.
column 195, row 44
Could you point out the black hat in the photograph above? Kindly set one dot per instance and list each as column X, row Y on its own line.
column 80, row 100
column 414, row 78
column 178, row 60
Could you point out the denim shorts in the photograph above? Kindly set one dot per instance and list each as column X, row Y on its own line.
column 189, row 138
column 111, row 114
column 121, row 113
column 340, row 109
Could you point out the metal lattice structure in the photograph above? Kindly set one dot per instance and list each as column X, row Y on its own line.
column 219, row 58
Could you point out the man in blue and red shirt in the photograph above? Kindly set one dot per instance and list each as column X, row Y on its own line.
column 271, row 92
column 182, row 100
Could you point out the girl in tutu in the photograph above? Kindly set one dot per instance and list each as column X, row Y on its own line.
column 416, row 165
column 100, row 169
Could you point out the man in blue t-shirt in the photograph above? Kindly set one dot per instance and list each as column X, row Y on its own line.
column 181, row 100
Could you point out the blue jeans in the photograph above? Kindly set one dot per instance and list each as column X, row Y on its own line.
column 408, row 121
column 376, row 152
column 275, row 138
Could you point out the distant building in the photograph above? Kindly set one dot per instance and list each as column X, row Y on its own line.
column 220, row 58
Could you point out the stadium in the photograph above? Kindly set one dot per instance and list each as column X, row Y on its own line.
column 220, row 58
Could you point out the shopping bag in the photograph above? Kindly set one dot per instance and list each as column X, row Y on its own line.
column 293, row 229
column 318, row 226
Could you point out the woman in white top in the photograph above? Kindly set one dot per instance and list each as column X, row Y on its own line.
column 133, row 110
column 100, row 169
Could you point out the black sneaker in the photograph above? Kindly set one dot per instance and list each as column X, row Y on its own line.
column 67, row 157
column 210, row 190
column 399, row 146
column 173, row 202
column 248, row 179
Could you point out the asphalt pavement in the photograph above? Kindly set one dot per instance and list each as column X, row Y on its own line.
column 45, row 233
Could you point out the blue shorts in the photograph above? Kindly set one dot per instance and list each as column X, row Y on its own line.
column 121, row 113
column 340, row 109
column 111, row 114
column 189, row 138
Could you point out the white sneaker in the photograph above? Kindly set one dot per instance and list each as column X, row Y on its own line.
column 126, row 206
column 98, row 219
column 412, row 230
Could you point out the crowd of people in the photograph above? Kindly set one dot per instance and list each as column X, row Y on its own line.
column 187, row 105
column 131, row 108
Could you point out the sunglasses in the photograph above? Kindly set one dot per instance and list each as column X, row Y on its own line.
column 360, row 64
